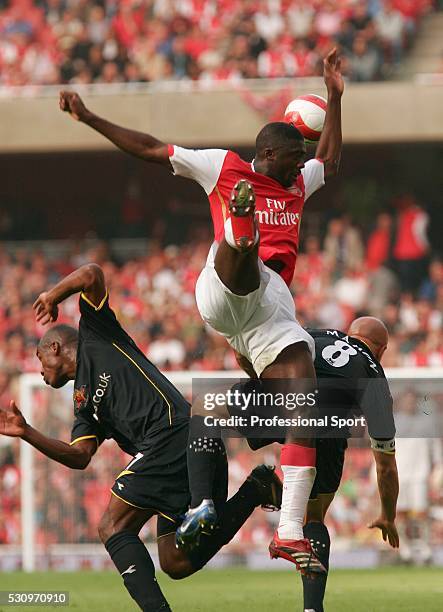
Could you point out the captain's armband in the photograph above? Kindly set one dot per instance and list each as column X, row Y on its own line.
column 383, row 446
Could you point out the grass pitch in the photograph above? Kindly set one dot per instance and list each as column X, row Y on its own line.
column 240, row 590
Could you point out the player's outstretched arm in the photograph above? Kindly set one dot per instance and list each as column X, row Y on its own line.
column 77, row 457
column 88, row 279
column 329, row 146
column 387, row 479
column 135, row 143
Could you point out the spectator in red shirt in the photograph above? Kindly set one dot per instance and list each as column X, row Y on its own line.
column 379, row 242
column 411, row 246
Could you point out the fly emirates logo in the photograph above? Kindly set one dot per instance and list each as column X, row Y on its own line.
column 276, row 214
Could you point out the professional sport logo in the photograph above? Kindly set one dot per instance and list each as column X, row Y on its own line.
column 81, row 397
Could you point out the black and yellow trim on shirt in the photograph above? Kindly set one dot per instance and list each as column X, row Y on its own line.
column 168, row 403
column 85, row 438
column 88, row 301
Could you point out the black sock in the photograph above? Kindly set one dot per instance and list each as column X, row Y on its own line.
column 221, row 479
column 314, row 590
column 233, row 516
column 204, row 447
column 135, row 565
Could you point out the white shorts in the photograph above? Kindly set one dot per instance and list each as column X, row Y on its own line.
column 258, row 325
column 413, row 496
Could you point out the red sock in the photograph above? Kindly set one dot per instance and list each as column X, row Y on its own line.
column 295, row 454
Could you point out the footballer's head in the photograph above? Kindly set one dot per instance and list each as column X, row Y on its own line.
column 280, row 152
column 372, row 332
column 57, row 352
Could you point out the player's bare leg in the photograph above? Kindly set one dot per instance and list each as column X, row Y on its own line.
column 298, row 459
column 236, row 260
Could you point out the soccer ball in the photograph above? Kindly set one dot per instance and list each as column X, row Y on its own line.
column 307, row 114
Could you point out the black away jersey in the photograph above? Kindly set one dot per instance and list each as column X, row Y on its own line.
column 118, row 392
column 351, row 380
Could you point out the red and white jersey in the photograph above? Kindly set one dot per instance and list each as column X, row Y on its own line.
column 278, row 209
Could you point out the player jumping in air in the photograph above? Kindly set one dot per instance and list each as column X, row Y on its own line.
column 351, row 381
column 242, row 291
column 120, row 394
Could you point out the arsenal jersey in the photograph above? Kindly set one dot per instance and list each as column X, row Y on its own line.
column 278, row 209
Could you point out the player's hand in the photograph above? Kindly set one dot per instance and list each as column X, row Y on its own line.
column 12, row 422
column 70, row 102
column 332, row 74
column 388, row 530
column 46, row 309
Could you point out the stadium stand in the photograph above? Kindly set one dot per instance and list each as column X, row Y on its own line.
column 48, row 42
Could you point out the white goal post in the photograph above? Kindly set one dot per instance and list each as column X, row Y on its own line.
column 31, row 383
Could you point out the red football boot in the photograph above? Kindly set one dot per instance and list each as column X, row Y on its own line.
column 242, row 209
column 298, row 552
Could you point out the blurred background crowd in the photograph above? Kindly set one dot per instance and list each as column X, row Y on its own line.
column 45, row 42
column 387, row 270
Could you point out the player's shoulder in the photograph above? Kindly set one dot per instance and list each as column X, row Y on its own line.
column 100, row 319
column 86, row 304
column 326, row 334
column 372, row 367
column 233, row 158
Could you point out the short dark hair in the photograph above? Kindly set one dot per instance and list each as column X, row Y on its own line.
column 276, row 134
column 64, row 334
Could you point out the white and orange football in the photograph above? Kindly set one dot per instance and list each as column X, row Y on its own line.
column 307, row 113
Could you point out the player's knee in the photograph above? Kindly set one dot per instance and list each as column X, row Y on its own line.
column 176, row 569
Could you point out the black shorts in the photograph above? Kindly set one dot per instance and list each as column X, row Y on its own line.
column 157, row 477
column 329, row 464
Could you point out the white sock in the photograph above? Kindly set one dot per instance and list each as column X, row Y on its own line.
column 229, row 236
column 297, row 485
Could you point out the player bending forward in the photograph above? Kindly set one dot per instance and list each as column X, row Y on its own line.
column 350, row 380
column 120, row 394
column 242, row 292
column 352, row 362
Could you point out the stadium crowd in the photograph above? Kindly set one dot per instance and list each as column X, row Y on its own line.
column 47, row 42
column 391, row 273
